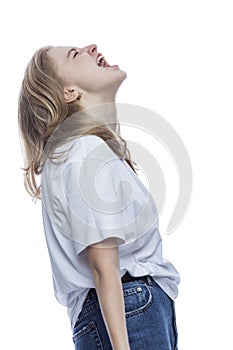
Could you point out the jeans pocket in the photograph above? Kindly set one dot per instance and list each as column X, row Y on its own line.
column 137, row 298
column 87, row 337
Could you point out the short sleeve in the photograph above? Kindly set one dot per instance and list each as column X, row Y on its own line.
column 96, row 197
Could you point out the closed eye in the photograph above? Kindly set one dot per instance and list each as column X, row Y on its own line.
column 76, row 53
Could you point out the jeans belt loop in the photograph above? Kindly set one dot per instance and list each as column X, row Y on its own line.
column 149, row 280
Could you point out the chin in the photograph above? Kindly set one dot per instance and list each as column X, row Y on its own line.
column 124, row 74
column 118, row 79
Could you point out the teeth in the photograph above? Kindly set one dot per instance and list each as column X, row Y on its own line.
column 101, row 61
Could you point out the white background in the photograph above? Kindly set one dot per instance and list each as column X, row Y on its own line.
column 179, row 62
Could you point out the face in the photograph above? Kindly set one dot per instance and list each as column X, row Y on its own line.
column 87, row 70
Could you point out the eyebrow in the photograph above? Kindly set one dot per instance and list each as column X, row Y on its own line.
column 69, row 52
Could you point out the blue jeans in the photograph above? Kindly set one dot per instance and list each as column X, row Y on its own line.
column 150, row 318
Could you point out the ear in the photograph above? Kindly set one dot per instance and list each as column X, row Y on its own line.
column 71, row 94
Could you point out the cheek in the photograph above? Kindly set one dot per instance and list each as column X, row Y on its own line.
column 89, row 76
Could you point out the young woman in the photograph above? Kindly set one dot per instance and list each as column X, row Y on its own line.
column 100, row 222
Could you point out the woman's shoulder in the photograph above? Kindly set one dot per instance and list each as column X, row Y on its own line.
column 93, row 146
column 90, row 141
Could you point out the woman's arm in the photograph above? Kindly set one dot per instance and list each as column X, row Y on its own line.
column 104, row 263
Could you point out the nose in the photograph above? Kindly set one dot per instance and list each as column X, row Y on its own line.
column 91, row 49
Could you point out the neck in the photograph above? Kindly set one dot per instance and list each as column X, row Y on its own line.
column 102, row 110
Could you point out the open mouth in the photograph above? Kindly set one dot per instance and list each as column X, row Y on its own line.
column 101, row 61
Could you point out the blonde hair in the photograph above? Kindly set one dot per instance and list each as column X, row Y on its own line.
column 41, row 111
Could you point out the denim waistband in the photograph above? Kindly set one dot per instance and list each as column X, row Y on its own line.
column 143, row 279
column 128, row 278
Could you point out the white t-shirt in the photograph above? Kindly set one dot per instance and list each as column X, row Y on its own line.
column 91, row 196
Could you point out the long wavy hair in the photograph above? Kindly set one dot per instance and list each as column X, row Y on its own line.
column 42, row 110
